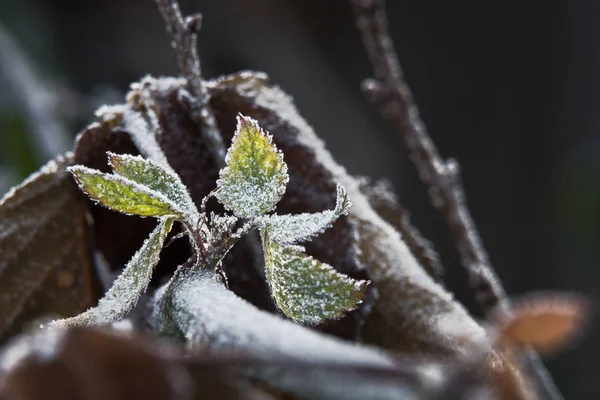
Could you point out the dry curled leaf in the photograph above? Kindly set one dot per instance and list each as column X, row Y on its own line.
column 404, row 308
column 45, row 258
column 544, row 322
column 94, row 364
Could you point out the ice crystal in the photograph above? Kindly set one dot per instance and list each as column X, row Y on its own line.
column 255, row 177
column 305, row 289
column 121, row 194
column 126, row 290
column 154, row 176
column 290, row 229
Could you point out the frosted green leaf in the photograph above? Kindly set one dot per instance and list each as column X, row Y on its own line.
column 255, row 177
column 154, row 176
column 124, row 195
column 290, row 229
column 126, row 290
column 305, row 289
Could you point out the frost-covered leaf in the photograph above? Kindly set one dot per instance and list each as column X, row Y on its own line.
column 45, row 264
column 305, row 289
column 290, row 228
column 126, row 290
column 154, row 176
column 124, row 195
column 544, row 322
column 256, row 176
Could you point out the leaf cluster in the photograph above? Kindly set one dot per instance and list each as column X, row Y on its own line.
column 250, row 186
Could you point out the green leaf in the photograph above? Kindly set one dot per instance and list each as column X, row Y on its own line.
column 255, row 177
column 124, row 195
column 126, row 290
column 159, row 178
column 305, row 289
column 295, row 228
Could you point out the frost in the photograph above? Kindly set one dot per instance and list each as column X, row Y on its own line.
column 413, row 308
column 142, row 134
column 255, row 177
column 154, row 176
column 126, row 290
column 290, row 229
column 305, row 289
column 205, row 312
column 302, row 362
column 222, row 225
column 124, row 195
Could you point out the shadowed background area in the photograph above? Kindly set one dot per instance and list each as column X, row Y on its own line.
column 508, row 89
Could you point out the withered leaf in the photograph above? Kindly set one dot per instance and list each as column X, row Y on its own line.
column 544, row 322
column 45, row 261
column 92, row 364
column 405, row 309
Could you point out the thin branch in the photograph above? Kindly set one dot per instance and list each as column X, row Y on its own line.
column 20, row 80
column 391, row 93
column 184, row 34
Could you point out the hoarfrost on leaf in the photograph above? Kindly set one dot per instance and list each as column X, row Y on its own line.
column 126, row 290
column 255, row 177
column 122, row 194
column 305, row 289
column 154, row 176
column 290, row 229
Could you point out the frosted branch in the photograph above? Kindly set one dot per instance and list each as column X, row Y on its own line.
column 391, row 93
column 184, row 34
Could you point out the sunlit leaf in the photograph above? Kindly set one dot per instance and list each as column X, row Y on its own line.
column 45, row 262
column 256, row 175
column 295, row 228
column 544, row 322
column 124, row 195
column 305, row 289
column 154, row 176
column 126, row 290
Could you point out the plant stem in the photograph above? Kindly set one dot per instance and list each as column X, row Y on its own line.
column 391, row 93
column 184, row 33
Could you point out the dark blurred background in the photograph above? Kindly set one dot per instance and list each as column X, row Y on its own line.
column 510, row 89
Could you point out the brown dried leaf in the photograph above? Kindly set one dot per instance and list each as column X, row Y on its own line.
column 544, row 322
column 410, row 311
column 45, row 260
column 92, row 364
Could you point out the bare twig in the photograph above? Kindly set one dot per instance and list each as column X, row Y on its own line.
column 29, row 93
column 184, row 33
column 391, row 93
